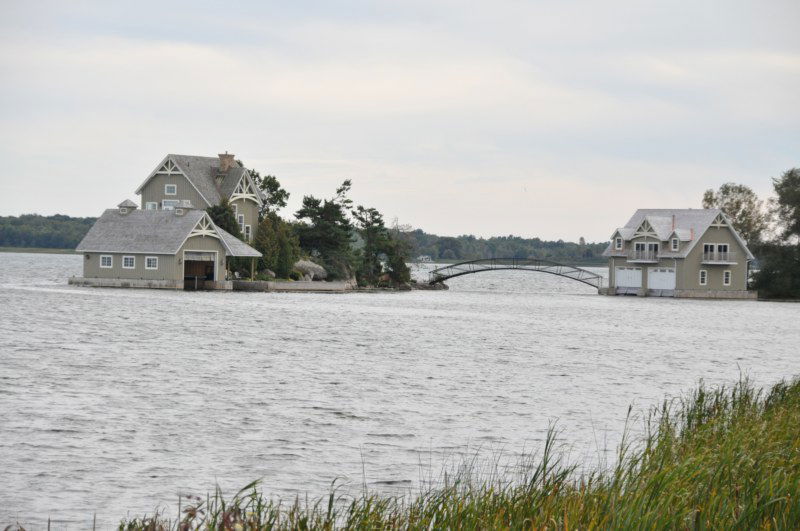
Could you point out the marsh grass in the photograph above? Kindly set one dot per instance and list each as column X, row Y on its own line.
column 712, row 459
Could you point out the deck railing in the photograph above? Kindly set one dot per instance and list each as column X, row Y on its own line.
column 640, row 255
column 719, row 256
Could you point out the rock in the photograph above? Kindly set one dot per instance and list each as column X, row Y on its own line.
column 310, row 269
column 269, row 273
column 307, row 278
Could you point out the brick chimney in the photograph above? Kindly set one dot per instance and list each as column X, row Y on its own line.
column 226, row 161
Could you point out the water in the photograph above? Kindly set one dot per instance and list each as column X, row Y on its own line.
column 114, row 401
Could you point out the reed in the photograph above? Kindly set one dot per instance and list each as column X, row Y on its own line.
column 711, row 459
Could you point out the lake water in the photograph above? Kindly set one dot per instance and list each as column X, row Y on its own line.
column 114, row 401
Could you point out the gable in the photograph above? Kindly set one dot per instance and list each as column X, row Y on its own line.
column 246, row 189
column 170, row 169
column 645, row 229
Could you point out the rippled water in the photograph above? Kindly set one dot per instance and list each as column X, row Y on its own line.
column 113, row 401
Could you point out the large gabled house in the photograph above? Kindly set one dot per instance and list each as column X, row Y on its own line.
column 678, row 253
column 205, row 181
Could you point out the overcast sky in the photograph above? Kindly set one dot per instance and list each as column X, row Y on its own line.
column 552, row 119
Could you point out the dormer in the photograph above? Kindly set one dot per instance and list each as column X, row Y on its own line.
column 126, row 206
column 183, row 207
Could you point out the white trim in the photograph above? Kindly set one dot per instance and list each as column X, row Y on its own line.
column 247, row 190
column 618, row 243
column 123, row 210
column 703, row 277
column 172, row 204
column 168, row 186
column 125, row 257
column 109, row 256
column 675, row 244
column 146, row 262
column 154, row 203
column 247, row 232
column 726, row 277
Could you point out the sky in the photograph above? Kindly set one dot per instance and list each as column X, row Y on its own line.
column 554, row 119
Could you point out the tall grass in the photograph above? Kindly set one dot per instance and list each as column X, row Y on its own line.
column 715, row 458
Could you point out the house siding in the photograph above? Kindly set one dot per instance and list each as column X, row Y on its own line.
column 691, row 275
column 165, row 271
column 249, row 209
column 153, row 191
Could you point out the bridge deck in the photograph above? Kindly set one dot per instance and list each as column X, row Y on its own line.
column 526, row 264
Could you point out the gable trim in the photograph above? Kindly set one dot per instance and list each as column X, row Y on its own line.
column 207, row 228
column 246, row 190
column 180, row 172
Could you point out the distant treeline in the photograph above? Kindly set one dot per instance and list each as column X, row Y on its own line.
column 469, row 247
column 64, row 232
column 51, row 232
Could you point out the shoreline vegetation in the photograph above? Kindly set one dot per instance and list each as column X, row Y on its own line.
column 713, row 458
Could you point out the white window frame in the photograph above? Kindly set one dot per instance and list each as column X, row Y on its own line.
column 147, row 262
column 240, row 220
column 726, row 277
column 123, row 210
column 167, row 188
column 247, row 232
column 675, row 244
column 703, row 277
column 169, row 204
column 124, row 258
column 151, row 205
column 235, row 209
column 110, row 257
column 617, row 243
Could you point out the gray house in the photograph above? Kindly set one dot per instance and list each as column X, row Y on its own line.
column 678, row 253
column 158, row 248
column 205, row 181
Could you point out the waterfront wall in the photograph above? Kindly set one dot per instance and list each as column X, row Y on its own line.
column 299, row 286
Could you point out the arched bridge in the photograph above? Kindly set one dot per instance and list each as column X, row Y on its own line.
column 525, row 264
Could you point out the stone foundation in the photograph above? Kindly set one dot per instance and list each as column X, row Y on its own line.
column 299, row 286
column 125, row 283
column 683, row 293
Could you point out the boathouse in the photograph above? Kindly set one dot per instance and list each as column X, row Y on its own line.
column 173, row 248
column 678, row 253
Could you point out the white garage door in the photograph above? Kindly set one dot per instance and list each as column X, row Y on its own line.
column 661, row 278
column 628, row 277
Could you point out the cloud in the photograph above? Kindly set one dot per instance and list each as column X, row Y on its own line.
column 539, row 119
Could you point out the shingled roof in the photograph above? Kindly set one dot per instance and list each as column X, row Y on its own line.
column 683, row 222
column 202, row 174
column 153, row 232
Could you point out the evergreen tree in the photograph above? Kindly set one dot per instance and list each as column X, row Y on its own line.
column 266, row 242
column 223, row 217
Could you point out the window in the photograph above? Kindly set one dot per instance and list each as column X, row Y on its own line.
column 128, row 262
column 235, row 208
column 241, row 222
column 106, row 261
column 675, row 244
column 151, row 262
column 703, row 277
column 726, row 278
column 170, row 189
column 618, row 243
column 169, row 204
column 247, row 232
column 722, row 247
column 151, row 205
column 123, row 210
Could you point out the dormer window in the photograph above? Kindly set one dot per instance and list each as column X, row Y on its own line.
column 123, row 210
column 178, row 211
column 170, row 189
column 618, row 243
column 675, row 244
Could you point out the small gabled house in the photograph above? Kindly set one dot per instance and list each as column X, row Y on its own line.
column 158, row 248
column 678, row 253
column 205, row 181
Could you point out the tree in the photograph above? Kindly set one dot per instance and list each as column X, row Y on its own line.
column 266, row 243
column 288, row 250
column 787, row 188
column 276, row 195
column 747, row 212
column 326, row 230
column 372, row 230
column 223, row 217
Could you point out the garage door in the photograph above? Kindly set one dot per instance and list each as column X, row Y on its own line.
column 628, row 277
column 661, row 278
